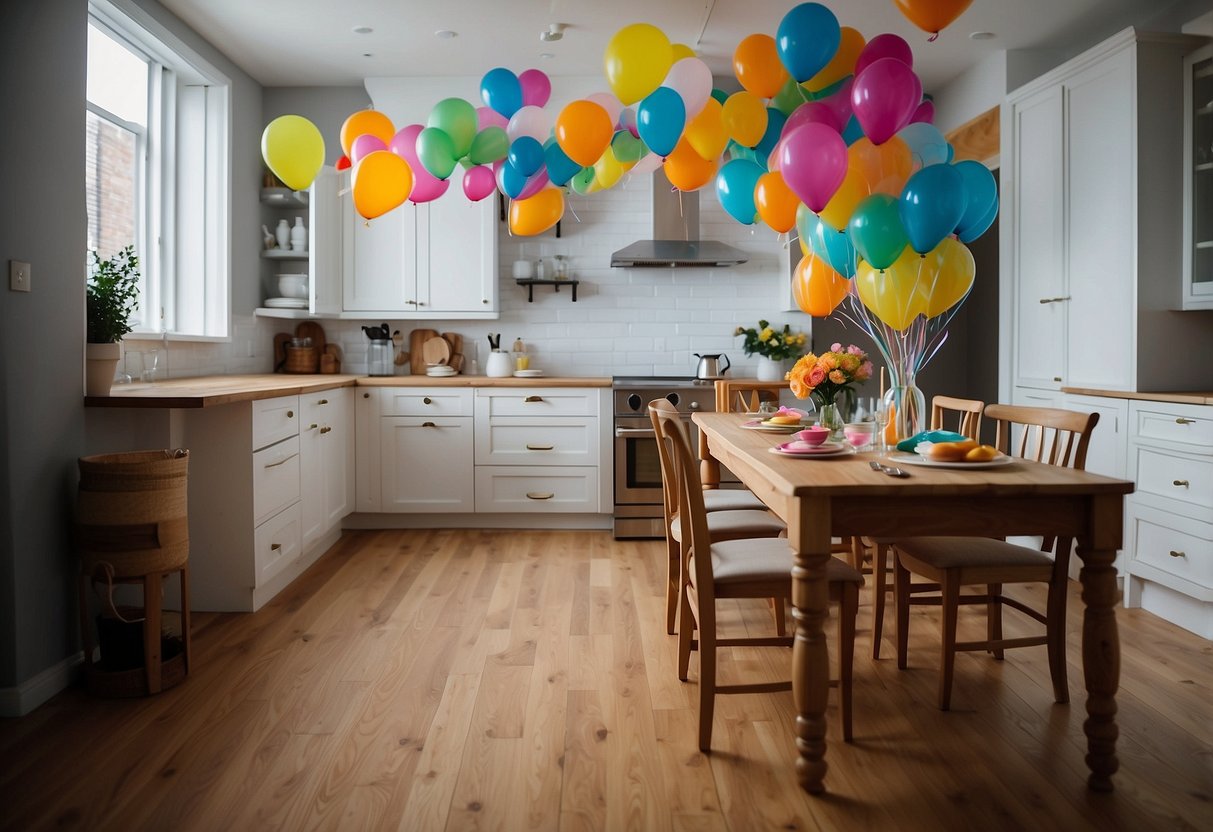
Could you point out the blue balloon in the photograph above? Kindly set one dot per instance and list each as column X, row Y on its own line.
column 560, row 167
column 526, row 154
column 835, row 247
column 981, row 200
column 775, row 122
column 660, row 119
column 852, row 132
column 501, row 91
column 807, row 38
column 927, row 145
column 510, row 180
column 931, row 205
column 735, row 189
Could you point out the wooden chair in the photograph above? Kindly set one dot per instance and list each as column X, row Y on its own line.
column 1055, row 437
column 965, row 418
column 735, row 514
column 747, row 568
column 735, row 395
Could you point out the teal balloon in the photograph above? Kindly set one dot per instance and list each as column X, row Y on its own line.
column 511, row 180
column 560, row 167
column 738, row 151
column 927, row 145
column 720, row 95
column 582, row 181
column 626, row 147
column 526, row 154
column 931, row 204
column 436, row 152
column 852, row 132
column 490, row 145
column 735, row 185
column 660, row 119
column 807, row 38
column 835, row 247
column 775, row 122
column 500, row 90
column 456, row 118
column 981, row 200
column 876, row 230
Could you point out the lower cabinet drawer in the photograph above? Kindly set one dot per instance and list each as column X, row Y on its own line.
column 536, row 489
column 275, row 478
column 1186, row 551
column 537, row 441
column 278, row 542
column 1187, row 480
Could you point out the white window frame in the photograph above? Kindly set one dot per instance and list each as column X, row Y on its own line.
column 185, row 219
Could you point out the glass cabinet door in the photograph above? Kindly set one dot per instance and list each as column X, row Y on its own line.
column 1198, row 180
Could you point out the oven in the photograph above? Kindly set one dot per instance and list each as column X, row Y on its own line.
column 638, row 504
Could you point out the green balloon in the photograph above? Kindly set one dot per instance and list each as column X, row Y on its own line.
column 436, row 152
column 877, row 232
column 490, row 145
column 790, row 96
column 456, row 118
column 582, row 181
column 627, row 148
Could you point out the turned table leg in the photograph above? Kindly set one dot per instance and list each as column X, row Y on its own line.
column 1101, row 642
column 809, row 536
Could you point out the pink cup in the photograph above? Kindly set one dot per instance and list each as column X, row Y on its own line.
column 814, row 435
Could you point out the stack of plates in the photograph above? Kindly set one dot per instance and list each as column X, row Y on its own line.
column 528, row 373
column 286, row 303
column 439, row 371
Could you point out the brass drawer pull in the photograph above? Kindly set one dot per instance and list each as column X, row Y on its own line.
column 275, row 547
column 1054, row 300
column 533, row 399
column 1176, row 554
column 1057, row 378
column 1180, row 420
column 428, row 425
column 325, row 429
column 313, row 426
column 1180, row 483
column 290, row 414
column 282, row 461
column 530, row 495
column 531, row 447
column 323, row 401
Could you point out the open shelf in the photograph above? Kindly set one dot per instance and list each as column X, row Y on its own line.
column 283, row 254
column 284, row 197
column 531, row 282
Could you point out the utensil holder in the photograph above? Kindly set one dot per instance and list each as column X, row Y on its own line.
column 500, row 364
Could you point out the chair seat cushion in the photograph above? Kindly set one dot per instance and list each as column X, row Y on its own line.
column 730, row 525
column 731, row 499
column 766, row 559
column 959, row 552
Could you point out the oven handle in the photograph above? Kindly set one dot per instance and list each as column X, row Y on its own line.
column 623, row 432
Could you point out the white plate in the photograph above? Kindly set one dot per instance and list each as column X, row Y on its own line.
column 755, row 424
column 832, row 449
column 528, row 373
column 915, row 459
column 286, row 303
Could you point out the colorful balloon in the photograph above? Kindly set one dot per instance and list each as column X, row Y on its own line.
column 925, row 113
column 436, row 152
column 532, row 121
column 813, row 112
column 536, row 214
column 692, row 80
column 807, row 38
column 981, row 195
column 660, row 118
column 884, row 98
column 344, row 163
column 813, row 163
column 850, row 44
column 365, row 144
column 608, row 102
column 775, row 202
column 501, row 91
column 426, row 186
column 790, row 96
column 828, row 243
column 294, row 150
column 536, row 88
column 490, row 145
column 636, row 60
column 510, row 180
column 686, row 169
column 478, row 182
column 651, row 162
column 931, row 206
column 608, row 170
column 706, row 132
column 887, row 45
column 679, row 51
column 583, row 131
column 927, row 145
column 488, row 117
column 945, row 278
column 456, row 118
column 745, row 118
column 816, row 287
column 932, row 15
column 884, row 168
column 381, row 181
column 535, row 184
column 627, row 148
column 735, row 186
column 770, row 137
column 364, row 122
column 559, row 166
column 757, row 66
column 892, row 294
column 876, row 231
column 526, row 154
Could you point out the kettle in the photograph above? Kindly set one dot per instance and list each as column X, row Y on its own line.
column 709, row 365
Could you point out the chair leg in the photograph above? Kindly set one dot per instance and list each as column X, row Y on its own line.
column 779, row 609
column 1056, row 613
column 847, row 613
column 685, row 633
column 880, row 553
column 673, row 580
column 994, row 617
column 901, row 602
column 951, row 606
column 855, row 554
column 707, row 687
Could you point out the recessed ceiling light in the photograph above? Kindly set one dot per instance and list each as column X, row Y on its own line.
column 446, row 34
column 982, row 36
column 547, row 56
column 363, row 30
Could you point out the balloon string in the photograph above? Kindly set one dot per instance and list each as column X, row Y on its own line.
column 574, row 210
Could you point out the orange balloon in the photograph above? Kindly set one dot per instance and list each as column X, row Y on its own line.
column 583, row 131
column 775, row 202
column 538, row 213
column 884, row 167
column 686, row 169
column 932, row 15
column 817, row 288
column 381, row 181
column 745, row 118
column 706, row 132
column 366, row 122
column 842, row 64
column 757, row 66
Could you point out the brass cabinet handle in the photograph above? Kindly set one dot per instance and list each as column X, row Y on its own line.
column 531, row 447
column 282, row 461
column 290, row 414
column 1176, row 554
column 275, row 547
column 323, row 401
column 313, row 426
column 427, row 400
column 531, row 495
column 412, row 302
column 533, row 399
column 419, row 303
column 428, row 425
column 1180, row 420
column 1057, row 378
column 1180, row 483
column 325, row 429
column 1054, row 300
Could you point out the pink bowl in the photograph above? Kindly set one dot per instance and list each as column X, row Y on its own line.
column 814, row 435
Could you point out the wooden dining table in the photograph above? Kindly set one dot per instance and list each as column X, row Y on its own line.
column 843, row 496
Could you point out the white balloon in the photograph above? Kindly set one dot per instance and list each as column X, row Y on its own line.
column 532, row 121
column 608, row 102
column 647, row 164
column 691, row 79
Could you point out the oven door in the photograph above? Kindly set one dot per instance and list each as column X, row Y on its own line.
column 637, row 463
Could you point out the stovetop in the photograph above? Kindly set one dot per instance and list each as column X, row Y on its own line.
column 666, row 382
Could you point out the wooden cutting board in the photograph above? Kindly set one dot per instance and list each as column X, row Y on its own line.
column 280, row 342
column 456, row 342
column 313, row 330
column 436, row 350
column 417, row 339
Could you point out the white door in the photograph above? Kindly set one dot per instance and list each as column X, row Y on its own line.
column 427, row 464
column 462, row 256
column 380, row 260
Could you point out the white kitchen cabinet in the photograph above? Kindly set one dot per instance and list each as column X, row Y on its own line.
column 326, row 440
column 1198, row 179
column 1093, row 226
column 321, row 206
column 425, row 450
column 367, row 478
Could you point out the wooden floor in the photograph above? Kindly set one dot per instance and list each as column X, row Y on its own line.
column 523, row 680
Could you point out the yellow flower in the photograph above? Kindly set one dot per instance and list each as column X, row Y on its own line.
column 766, row 334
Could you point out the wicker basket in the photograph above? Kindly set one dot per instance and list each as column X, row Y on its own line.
column 301, row 360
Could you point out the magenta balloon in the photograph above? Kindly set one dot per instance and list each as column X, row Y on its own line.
column 404, row 145
column 813, row 163
column 536, row 88
column 365, row 144
column 925, row 113
column 488, row 117
column 884, row 98
column 535, row 184
column 887, row 45
column 812, row 112
column 478, row 182
column 426, row 186
column 774, row 160
column 840, row 101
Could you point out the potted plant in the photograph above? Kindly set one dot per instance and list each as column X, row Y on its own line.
column 772, row 346
column 113, row 293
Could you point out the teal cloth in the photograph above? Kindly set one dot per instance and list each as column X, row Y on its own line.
column 929, row 436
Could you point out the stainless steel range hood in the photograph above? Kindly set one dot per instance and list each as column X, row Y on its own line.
column 676, row 242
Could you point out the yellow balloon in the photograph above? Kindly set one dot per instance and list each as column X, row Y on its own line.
column 850, row 44
column 706, row 131
column 804, row 247
column 850, row 193
column 538, row 213
column 608, row 170
column 948, row 277
column 680, row 51
column 745, row 118
column 636, row 60
column 381, row 181
column 893, row 294
column 366, row 122
column 817, row 288
column 294, row 150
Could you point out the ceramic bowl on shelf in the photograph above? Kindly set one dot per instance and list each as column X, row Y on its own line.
column 292, row 285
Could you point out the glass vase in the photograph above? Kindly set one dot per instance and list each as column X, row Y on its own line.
column 907, row 407
column 829, row 417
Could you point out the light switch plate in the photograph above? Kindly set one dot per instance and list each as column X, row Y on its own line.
column 18, row 276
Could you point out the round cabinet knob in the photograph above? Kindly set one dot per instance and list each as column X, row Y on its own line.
column 427, row 400
column 485, row 301
column 366, row 395
column 290, row 414
column 693, row 406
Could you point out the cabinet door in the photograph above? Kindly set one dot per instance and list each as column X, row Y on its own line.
column 1106, row 453
column 1100, row 138
column 367, row 464
column 379, row 260
column 462, row 257
column 311, row 472
column 324, row 244
column 1036, row 184
column 427, row 464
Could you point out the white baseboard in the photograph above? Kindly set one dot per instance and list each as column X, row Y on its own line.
column 31, row 693
column 369, row 520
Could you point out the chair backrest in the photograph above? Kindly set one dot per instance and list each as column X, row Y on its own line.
column 965, row 415
column 672, row 433
column 1045, row 434
column 669, row 473
column 744, row 396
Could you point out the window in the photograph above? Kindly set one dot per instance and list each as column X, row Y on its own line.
column 157, row 154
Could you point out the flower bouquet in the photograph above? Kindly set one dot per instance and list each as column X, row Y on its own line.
column 770, row 343
column 827, row 376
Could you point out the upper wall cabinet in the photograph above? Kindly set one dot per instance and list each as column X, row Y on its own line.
column 320, row 204
column 1198, row 180
column 1093, row 223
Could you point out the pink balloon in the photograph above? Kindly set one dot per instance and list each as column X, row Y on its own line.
column 884, row 97
column 532, row 121
column 488, row 117
column 536, row 88
column 840, row 101
column 608, row 102
column 812, row 112
column 478, row 182
column 924, row 113
column 538, row 181
column 404, row 144
column 813, row 163
column 426, row 186
column 627, row 121
column 887, row 45
column 365, row 144
column 692, row 80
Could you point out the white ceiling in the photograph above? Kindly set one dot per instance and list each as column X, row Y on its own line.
column 286, row 43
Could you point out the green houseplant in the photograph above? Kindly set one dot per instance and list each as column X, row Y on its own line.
column 112, row 295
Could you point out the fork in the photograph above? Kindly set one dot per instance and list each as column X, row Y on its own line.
column 887, row 469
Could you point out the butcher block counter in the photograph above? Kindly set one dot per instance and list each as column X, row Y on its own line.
column 1176, row 397
column 211, row 391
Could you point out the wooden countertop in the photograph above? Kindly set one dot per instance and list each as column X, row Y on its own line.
column 1176, row 397
column 211, row 391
